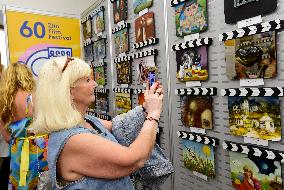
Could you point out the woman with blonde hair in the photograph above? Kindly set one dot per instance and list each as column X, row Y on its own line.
column 4, row 151
column 82, row 153
column 16, row 89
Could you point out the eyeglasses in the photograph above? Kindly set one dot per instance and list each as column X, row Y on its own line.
column 68, row 60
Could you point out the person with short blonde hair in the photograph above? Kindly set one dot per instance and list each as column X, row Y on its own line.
column 82, row 152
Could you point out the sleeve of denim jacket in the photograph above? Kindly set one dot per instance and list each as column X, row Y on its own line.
column 126, row 127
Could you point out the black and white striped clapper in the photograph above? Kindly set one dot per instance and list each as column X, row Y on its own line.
column 274, row 91
column 254, row 150
column 251, row 30
column 123, row 90
column 145, row 43
column 192, row 43
column 198, row 138
column 197, row 91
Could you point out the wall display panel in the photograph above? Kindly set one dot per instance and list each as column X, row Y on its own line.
column 99, row 48
column 124, row 72
column 252, row 172
column 191, row 17
column 251, row 57
column 143, row 67
column 121, row 41
column 255, row 117
column 122, row 102
column 120, row 10
column 87, row 29
column 145, row 27
column 141, row 99
column 237, row 10
column 192, row 64
column 139, row 5
column 88, row 53
column 98, row 21
column 100, row 74
column 160, row 62
column 102, row 102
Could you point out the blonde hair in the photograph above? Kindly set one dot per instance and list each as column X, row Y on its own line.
column 16, row 76
column 53, row 104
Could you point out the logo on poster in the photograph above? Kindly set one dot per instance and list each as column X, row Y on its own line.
column 42, row 54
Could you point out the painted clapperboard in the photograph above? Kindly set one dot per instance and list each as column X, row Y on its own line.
column 198, row 153
column 255, row 112
column 250, row 52
column 123, row 100
column 197, row 108
column 192, row 59
column 254, row 165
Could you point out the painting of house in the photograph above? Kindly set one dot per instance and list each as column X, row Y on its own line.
column 255, row 117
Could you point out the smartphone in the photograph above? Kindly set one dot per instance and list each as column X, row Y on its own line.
column 151, row 77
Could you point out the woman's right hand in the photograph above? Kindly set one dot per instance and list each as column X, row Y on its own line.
column 154, row 100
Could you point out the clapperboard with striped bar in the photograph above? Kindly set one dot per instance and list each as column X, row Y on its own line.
column 120, row 27
column 101, row 116
column 254, row 151
column 197, row 91
column 94, row 12
column 138, row 91
column 148, row 42
column 274, row 91
column 251, row 30
column 122, row 59
column 192, row 43
column 102, row 90
column 198, row 138
column 123, row 90
column 87, row 42
column 144, row 53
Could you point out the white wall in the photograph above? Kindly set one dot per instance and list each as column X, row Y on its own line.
column 62, row 6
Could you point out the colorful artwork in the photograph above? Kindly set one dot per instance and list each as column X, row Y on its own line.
column 119, row 10
column 99, row 49
column 197, row 111
column 98, row 22
column 199, row 157
column 191, row 17
column 88, row 53
column 123, row 70
column 192, row 64
column 141, row 99
column 87, row 29
column 140, row 5
column 100, row 75
column 123, row 102
column 102, row 102
column 121, row 41
column 143, row 67
column 254, row 173
column 251, row 57
column 255, row 117
column 145, row 27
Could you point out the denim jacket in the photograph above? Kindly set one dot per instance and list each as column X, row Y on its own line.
column 158, row 167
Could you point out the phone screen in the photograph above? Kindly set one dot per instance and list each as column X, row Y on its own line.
column 151, row 77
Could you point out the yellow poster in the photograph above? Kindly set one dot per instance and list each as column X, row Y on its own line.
column 34, row 38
